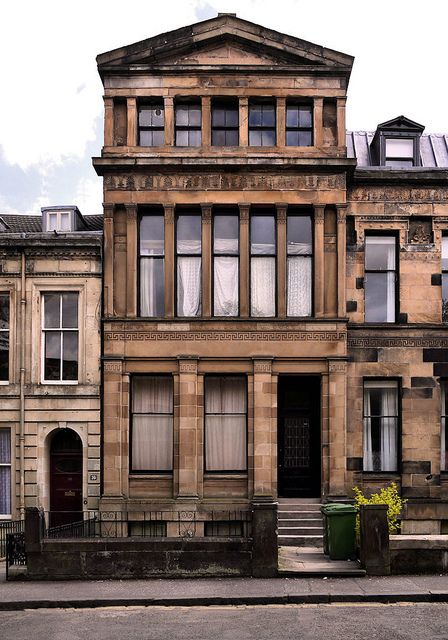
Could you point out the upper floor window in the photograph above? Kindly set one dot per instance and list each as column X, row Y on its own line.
column 380, row 279
column 399, row 152
column 225, row 123
column 225, row 423
column 188, row 124
column 299, row 125
column 5, row 472
column 151, row 123
column 60, row 337
column 444, row 426
column 262, row 124
column 189, row 263
column 445, row 279
column 380, row 425
column 225, row 264
column 59, row 221
column 152, row 265
column 152, row 423
column 262, row 265
column 4, row 337
column 299, row 265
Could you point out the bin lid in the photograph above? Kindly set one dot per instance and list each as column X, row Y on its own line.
column 338, row 508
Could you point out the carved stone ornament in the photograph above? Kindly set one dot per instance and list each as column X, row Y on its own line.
column 112, row 367
column 319, row 214
column 188, row 366
column 226, row 336
column 337, row 367
column 420, row 232
column 262, row 366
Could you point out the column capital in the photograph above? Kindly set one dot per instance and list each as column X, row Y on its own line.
column 341, row 210
column 319, row 213
column 244, row 101
column 169, row 213
column 168, row 100
column 206, row 210
column 244, row 211
column 108, row 210
column 281, row 212
column 131, row 210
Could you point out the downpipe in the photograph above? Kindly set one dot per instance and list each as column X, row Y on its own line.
column 22, row 343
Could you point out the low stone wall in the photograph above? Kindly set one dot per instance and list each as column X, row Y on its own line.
column 419, row 554
column 121, row 558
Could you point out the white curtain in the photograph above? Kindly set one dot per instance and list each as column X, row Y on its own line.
column 389, row 430
column 225, row 429
column 368, row 454
column 189, row 286
column 152, row 424
column 226, row 245
column 262, row 287
column 226, row 286
column 5, row 472
column 390, row 308
column 299, row 286
column 384, row 259
column 443, row 443
column 381, row 406
column 147, row 288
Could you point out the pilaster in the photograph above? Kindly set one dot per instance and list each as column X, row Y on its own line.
column 108, row 122
column 244, row 259
column 169, row 260
column 281, row 259
column 264, row 428
column 340, row 107
column 112, row 430
column 132, row 122
column 337, row 409
column 244, row 122
column 318, row 122
column 206, row 260
column 319, row 261
column 281, row 122
column 108, row 251
column 188, row 427
column 206, row 121
column 341, row 210
column 131, row 260
column 169, row 121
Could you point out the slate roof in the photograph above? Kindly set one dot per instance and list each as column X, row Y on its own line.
column 433, row 148
column 33, row 224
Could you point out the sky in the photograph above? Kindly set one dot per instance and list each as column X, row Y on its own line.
column 51, row 111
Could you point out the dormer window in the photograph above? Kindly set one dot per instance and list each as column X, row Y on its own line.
column 396, row 144
column 59, row 221
column 62, row 219
column 399, row 152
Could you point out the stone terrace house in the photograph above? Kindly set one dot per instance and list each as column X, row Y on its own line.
column 50, row 309
column 272, row 290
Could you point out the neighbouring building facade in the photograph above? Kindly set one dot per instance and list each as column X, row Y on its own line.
column 272, row 289
column 50, row 311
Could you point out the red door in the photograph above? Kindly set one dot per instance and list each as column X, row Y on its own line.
column 65, row 478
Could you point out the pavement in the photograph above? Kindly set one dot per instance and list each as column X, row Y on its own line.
column 15, row 595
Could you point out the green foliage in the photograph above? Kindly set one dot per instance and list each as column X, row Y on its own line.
column 387, row 495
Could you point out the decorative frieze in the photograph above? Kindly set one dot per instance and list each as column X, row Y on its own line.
column 337, row 367
column 395, row 341
column 113, row 367
column 188, row 366
column 225, row 336
column 397, row 194
column 262, row 366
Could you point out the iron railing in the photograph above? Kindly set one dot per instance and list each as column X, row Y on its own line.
column 15, row 550
column 150, row 524
column 6, row 527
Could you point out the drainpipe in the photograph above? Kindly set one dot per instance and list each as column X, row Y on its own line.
column 22, row 384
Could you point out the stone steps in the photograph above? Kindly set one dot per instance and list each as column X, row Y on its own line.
column 300, row 522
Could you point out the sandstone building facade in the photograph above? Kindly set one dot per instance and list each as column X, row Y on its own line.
column 50, row 310
column 272, row 289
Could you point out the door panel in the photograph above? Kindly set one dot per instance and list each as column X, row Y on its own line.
column 65, row 479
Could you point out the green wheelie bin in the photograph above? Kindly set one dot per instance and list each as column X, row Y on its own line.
column 339, row 534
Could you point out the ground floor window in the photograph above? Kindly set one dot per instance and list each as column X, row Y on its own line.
column 5, row 472
column 152, row 423
column 380, row 425
column 225, row 423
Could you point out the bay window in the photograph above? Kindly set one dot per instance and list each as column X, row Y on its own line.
column 189, row 261
column 380, row 279
column 299, row 265
column 380, row 425
column 152, row 424
column 5, row 472
column 60, row 337
column 152, row 265
column 225, row 264
column 262, row 265
column 225, row 423
column 4, row 337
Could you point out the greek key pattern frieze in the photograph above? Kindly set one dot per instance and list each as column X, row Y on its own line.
column 112, row 367
column 262, row 366
column 188, row 366
column 373, row 342
column 337, row 367
column 225, row 336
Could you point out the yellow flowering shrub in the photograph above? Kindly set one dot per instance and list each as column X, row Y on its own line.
column 387, row 495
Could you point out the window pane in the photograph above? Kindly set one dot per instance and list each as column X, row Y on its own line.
column 189, row 287
column 255, row 115
column 292, row 116
column 255, row 138
column 262, row 287
column 52, row 367
column 65, row 222
column 4, row 356
column 146, row 139
column 225, row 233
column 52, row 221
column 70, row 355
column 218, row 117
column 232, row 117
column 152, row 394
column 189, row 234
column 158, row 138
column 226, row 286
column 399, row 148
column 182, row 115
column 152, row 443
column 445, row 298
column 268, row 115
column 194, row 115
column 52, row 310
column 305, row 119
column 299, row 286
column 5, row 446
column 218, row 138
column 194, row 138
column 5, row 490
column 232, row 138
column 445, row 253
column 70, row 310
column 152, row 287
column 182, row 138
column 380, row 426
column 399, row 164
column 225, row 394
column 152, row 235
column 4, row 311
column 225, row 443
column 262, row 234
column 299, row 235
column 268, row 138
column 292, row 139
column 305, row 139
column 380, row 253
column 380, row 297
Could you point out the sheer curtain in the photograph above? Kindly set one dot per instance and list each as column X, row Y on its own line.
column 368, row 453
column 152, row 423
column 147, row 288
column 226, row 286
column 262, row 286
column 5, row 472
column 189, row 286
column 299, row 286
column 225, row 424
column 389, row 429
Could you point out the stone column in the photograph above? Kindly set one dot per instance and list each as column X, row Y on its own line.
column 264, row 423
column 319, row 261
column 341, row 243
column 206, row 260
column 108, row 122
column 281, row 122
column 112, row 436
column 169, row 121
column 132, row 122
column 244, row 122
column 337, row 393
column 340, row 102
column 318, row 122
column 244, row 260
column 108, row 252
column 188, row 426
column 206, row 126
column 131, row 260
column 169, row 260
column 281, row 260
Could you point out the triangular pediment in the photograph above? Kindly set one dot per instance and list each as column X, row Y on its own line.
column 401, row 123
column 223, row 41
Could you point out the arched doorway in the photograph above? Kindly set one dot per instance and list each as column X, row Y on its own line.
column 65, row 478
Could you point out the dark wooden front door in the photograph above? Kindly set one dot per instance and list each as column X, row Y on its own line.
column 65, row 478
column 299, row 451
